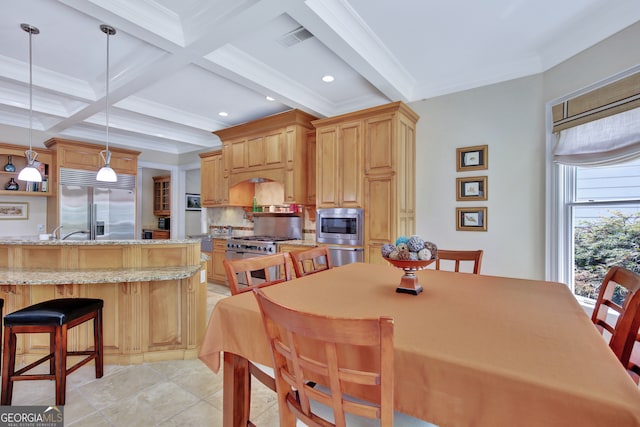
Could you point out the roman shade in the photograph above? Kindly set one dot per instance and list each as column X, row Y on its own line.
column 619, row 96
column 601, row 126
column 604, row 141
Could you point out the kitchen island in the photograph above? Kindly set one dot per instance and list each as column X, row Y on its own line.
column 154, row 293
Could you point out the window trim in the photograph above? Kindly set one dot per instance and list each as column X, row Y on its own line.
column 559, row 193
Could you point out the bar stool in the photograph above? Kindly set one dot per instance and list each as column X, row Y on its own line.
column 54, row 317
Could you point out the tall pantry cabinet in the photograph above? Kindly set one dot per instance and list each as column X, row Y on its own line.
column 366, row 159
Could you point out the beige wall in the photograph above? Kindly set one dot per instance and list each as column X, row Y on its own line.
column 25, row 228
column 510, row 118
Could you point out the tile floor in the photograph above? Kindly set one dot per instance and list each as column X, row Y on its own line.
column 171, row 393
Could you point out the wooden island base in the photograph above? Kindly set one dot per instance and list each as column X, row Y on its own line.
column 154, row 294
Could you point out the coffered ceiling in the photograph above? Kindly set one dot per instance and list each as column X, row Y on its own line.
column 176, row 64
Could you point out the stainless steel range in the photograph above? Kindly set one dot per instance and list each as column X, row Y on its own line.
column 269, row 228
column 253, row 245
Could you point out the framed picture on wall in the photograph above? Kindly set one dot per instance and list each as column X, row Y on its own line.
column 471, row 219
column 192, row 202
column 14, row 210
column 471, row 188
column 472, row 158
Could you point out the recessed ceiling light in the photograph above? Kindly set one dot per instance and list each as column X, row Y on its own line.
column 270, row 98
column 327, row 78
column 223, row 114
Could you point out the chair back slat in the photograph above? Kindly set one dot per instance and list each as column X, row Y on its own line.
column 458, row 256
column 624, row 340
column 310, row 261
column 257, row 272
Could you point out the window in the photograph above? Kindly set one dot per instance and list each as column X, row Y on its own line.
column 605, row 223
column 594, row 201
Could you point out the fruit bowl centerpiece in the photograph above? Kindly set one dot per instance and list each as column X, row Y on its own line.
column 410, row 254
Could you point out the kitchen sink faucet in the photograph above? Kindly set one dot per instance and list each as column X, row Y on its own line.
column 53, row 233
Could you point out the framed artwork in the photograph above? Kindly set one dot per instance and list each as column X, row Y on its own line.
column 471, row 219
column 472, row 158
column 192, row 202
column 471, row 188
column 14, row 210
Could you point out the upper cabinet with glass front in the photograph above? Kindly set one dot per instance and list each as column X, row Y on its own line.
column 12, row 161
column 162, row 195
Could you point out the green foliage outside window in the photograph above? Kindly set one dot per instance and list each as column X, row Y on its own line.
column 599, row 245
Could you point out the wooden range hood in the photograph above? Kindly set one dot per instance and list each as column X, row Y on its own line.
column 273, row 148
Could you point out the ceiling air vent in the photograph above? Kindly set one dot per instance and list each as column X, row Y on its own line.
column 296, row 36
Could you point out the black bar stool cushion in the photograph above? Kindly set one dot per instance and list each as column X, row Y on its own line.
column 53, row 312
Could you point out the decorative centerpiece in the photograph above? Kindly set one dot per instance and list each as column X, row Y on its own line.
column 410, row 254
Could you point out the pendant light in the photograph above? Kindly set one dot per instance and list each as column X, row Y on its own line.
column 106, row 173
column 30, row 172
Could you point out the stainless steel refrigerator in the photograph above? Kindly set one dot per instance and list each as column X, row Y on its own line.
column 92, row 210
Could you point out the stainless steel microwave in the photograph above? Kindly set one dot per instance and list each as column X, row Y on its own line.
column 340, row 226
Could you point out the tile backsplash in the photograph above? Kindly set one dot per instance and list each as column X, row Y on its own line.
column 240, row 221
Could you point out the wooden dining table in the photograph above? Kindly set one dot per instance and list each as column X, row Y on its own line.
column 470, row 350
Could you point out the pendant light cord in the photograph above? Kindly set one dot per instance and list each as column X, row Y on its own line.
column 30, row 90
column 31, row 30
column 108, row 32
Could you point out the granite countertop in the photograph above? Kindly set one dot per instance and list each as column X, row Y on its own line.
column 4, row 241
column 96, row 276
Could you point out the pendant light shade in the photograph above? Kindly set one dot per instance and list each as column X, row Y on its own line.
column 30, row 172
column 105, row 173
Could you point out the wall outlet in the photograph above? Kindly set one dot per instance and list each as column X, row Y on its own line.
column 40, row 228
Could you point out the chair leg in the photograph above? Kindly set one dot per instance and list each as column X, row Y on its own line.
column 8, row 367
column 52, row 347
column 98, row 344
column 61, row 363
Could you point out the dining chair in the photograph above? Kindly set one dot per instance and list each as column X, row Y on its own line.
column 255, row 273
column 244, row 274
column 619, row 294
column 458, row 256
column 310, row 347
column 310, row 261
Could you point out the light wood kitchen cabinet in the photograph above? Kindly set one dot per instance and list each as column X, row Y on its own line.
column 339, row 165
column 236, row 150
column 385, row 138
column 162, row 195
column 296, row 169
column 19, row 161
column 218, row 274
column 257, row 152
column 390, row 176
column 214, row 184
column 273, row 148
column 209, row 266
column 84, row 156
column 311, row 165
column 142, row 320
column 161, row 234
column 210, row 173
